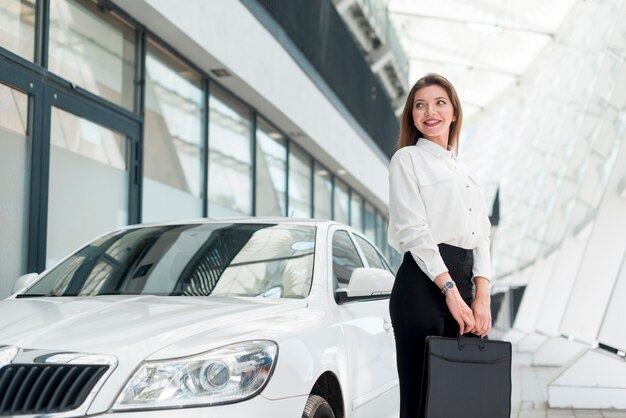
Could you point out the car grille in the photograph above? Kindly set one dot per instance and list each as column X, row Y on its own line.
column 46, row 388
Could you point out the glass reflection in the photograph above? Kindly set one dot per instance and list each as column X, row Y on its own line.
column 371, row 254
column 342, row 202
column 380, row 232
column 14, row 168
column 323, row 192
column 93, row 49
column 173, row 149
column 251, row 260
column 88, row 189
column 300, row 180
column 356, row 211
column 17, row 27
column 230, row 156
column 369, row 223
column 271, row 171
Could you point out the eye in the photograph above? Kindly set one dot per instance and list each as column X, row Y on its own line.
column 418, row 105
column 441, row 102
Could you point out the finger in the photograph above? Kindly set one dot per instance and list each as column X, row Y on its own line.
column 470, row 321
column 480, row 328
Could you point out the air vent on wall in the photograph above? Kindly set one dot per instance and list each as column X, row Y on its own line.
column 220, row 72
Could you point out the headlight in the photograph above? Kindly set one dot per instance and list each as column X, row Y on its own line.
column 227, row 374
column 7, row 354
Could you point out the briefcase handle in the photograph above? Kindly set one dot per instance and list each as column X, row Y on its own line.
column 479, row 341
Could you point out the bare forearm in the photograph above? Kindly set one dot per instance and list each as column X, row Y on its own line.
column 483, row 288
column 441, row 279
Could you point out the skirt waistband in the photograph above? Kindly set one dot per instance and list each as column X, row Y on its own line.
column 456, row 254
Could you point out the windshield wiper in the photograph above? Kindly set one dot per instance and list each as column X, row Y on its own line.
column 34, row 295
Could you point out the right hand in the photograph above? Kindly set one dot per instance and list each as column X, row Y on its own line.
column 462, row 313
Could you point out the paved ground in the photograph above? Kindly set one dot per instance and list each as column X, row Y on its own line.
column 529, row 397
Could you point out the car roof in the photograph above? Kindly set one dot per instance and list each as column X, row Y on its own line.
column 320, row 223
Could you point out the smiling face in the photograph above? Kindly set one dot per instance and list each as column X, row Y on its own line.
column 433, row 113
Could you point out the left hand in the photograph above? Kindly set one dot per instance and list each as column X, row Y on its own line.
column 481, row 307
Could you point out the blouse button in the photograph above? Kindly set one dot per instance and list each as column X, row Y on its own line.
column 467, row 185
column 470, row 209
column 472, row 233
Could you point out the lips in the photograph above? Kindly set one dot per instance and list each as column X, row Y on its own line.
column 431, row 122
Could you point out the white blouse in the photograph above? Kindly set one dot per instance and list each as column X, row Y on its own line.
column 435, row 198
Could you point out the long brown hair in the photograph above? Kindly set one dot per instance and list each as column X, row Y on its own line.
column 409, row 134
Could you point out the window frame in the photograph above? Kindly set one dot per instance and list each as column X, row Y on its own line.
column 331, row 283
column 380, row 254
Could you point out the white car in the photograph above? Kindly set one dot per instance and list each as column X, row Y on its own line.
column 277, row 318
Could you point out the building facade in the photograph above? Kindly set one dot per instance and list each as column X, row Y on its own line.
column 128, row 111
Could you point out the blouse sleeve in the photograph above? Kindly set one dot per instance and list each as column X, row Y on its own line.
column 482, row 263
column 408, row 226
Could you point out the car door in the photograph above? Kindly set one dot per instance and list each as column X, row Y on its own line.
column 368, row 338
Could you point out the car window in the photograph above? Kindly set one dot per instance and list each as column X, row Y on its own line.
column 225, row 259
column 372, row 256
column 345, row 259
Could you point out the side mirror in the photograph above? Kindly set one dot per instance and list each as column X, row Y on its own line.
column 367, row 282
column 24, row 281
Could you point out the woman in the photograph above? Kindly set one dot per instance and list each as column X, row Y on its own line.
column 438, row 219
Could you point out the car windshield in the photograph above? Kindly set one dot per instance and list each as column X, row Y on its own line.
column 229, row 259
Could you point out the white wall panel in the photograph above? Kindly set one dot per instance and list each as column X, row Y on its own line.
column 596, row 379
column 534, row 294
column 601, row 261
column 560, row 285
column 613, row 331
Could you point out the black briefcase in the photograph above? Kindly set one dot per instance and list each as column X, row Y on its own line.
column 467, row 377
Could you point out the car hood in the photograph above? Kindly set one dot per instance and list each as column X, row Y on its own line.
column 128, row 326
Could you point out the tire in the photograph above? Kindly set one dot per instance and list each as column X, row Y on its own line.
column 317, row 407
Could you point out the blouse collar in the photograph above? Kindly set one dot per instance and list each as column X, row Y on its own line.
column 435, row 149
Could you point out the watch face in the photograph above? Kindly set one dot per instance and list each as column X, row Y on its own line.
column 449, row 285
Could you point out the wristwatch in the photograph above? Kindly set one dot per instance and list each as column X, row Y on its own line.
column 447, row 286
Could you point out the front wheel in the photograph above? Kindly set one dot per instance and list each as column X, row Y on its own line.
column 317, row 407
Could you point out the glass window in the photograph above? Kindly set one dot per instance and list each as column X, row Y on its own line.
column 380, row 231
column 271, row 170
column 173, row 145
column 93, row 49
column 369, row 223
column 88, row 191
column 374, row 259
column 17, row 27
column 356, row 211
column 323, row 193
column 345, row 259
column 252, row 260
column 299, row 182
column 385, row 245
column 342, row 202
column 14, row 180
column 230, row 156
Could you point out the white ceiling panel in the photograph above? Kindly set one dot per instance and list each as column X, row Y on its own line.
column 538, row 15
column 481, row 47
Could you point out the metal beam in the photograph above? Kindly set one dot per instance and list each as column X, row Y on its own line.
column 468, row 66
column 456, row 20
